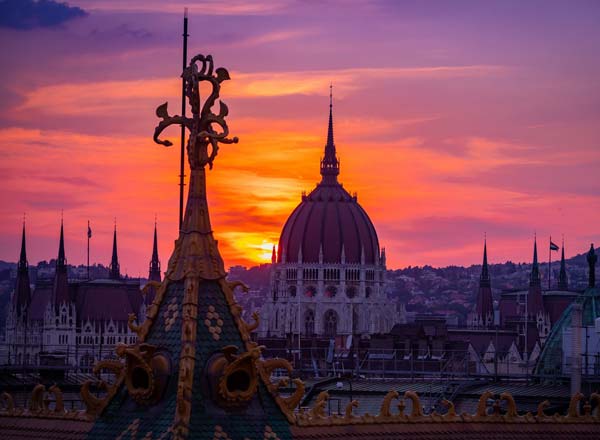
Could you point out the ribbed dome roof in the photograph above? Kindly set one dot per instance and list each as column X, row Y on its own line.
column 329, row 219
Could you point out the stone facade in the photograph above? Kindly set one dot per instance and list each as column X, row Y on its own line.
column 328, row 300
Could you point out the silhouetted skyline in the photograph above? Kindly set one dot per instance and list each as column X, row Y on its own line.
column 452, row 119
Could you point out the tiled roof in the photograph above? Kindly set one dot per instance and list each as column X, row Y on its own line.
column 30, row 428
column 123, row 413
column 106, row 299
column 450, row 431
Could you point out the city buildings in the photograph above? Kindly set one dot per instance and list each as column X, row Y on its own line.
column 67, row 325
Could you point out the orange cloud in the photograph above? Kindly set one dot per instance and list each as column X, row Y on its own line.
column 103, row 97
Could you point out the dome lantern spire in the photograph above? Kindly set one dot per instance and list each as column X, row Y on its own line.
column 330, row 165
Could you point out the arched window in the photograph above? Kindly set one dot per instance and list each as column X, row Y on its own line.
column 330, row 323
column 351, row 291
column 330, row 291
column 310, row 291
column 355, row 321
column 368, row 291
column 309, row 323
column 292, row 291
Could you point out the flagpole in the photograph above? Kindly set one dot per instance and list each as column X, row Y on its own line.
column 88, row 251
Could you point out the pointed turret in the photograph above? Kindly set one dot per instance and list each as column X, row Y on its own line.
column 485, row 303
column 534, row 276
column 330, row 165
column 61, row 261
column 154, row 270
column 274, row 256
column 484, row 279
column 23, row 257
column 534, row 295
column 60, row 290
column 563, row 281
column 114, row 268
column 22, row 295
column 194, row 371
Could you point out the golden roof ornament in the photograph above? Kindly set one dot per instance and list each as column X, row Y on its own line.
column 196, row 251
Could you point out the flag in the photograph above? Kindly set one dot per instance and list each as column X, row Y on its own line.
column 553, row 247
column 89, row 231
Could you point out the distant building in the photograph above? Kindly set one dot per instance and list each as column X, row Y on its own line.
column 483, row 314
column 542, row 307
column 328, row 273
column 64, row 323
column 573, row 346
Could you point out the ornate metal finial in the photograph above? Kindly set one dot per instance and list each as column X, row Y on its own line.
column 203, row 122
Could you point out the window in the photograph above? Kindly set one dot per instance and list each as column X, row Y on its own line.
column 330, row 291
column 310, row 291
column 351, row 291
column 330, row 321
column 310, row 274
column 291, row 274
column 352, row 275
column 331, row 274
column 368, row 291
column 370, row 275
column 292, row 291
column 309, row 323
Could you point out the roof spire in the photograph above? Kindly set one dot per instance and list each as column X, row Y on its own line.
column 61, row 260
column 484, row 308
column 23, row 257
column 330, row 126
column 534, row 278
column 563, row 281
column 154, row 271
column 330, row 165
column 22, row 295
column 484, row 280
column 114, row 269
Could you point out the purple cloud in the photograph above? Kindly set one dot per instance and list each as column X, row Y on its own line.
column 30, row 14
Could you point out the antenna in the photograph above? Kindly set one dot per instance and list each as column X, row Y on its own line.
column 182, row 156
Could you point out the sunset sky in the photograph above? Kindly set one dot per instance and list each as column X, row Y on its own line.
column 452, row 119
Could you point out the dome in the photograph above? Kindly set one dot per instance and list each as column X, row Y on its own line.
column 330, row 220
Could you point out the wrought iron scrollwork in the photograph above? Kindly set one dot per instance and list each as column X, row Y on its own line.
column 205, row 126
